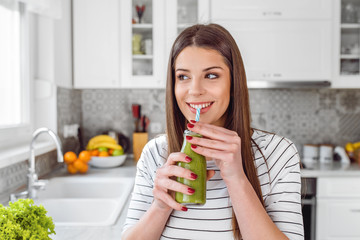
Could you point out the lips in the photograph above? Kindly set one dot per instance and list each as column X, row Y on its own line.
column 204, row 106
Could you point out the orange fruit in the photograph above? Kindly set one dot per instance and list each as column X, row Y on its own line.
column 84, row 169
column 111, row 151
column 78, row 164
column 71, row 169
column 85, row 156
column 94, row 152
column 103, row 154
column 69, row 157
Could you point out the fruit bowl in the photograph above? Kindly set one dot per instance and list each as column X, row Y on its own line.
column 107, row 162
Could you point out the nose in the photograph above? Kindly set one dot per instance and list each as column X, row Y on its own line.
column 196, row 87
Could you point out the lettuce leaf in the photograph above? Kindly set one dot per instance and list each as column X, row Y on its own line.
column 24, row 220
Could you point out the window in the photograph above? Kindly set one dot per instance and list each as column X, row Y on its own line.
column 14, row 76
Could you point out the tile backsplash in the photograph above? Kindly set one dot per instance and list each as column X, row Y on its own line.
column 302, row 115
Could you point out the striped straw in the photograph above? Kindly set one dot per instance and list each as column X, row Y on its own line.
column 197, row 117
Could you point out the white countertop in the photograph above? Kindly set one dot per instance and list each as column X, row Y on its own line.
column 335, row 169
column 106, row 232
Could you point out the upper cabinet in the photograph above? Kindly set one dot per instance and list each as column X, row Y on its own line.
column 280, row 40
column 270, row 9
column 126, row 43
column 96, row 37
column 142, row 43
column 346, row 44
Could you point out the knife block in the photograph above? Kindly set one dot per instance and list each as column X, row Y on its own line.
column 139, row 141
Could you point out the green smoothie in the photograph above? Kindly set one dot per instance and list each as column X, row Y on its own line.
column 197, row 166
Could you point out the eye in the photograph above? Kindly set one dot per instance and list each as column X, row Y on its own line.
column 211, row 76
column 182, row 77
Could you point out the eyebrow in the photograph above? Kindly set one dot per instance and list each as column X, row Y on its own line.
column 206, row 69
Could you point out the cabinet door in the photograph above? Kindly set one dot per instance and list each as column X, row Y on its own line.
column 143, row 44
column 181, row 14
column 270, row 9
column 338, row 219
column 284, row 50
column 96, row 43
column 346, row 50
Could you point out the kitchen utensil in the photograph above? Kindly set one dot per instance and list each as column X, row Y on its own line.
column 145, row 121
column 326, row 153
column 310, row 153
column 136, row 111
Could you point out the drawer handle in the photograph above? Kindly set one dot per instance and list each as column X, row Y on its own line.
column 355, row 210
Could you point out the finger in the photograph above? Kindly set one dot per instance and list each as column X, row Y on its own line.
column 213, row 132
column 212, row 153
column 176, row 186
column 209, row 174
column 213, row 144
column 177, row 157
column 168, row 200
column 174, row 170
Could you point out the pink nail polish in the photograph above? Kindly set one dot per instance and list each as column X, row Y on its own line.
column 189, row 137
column 188, row 159
column 191, row 190
column 193, row 146
column 192, row 121
column 184, row 209
column 189, row 125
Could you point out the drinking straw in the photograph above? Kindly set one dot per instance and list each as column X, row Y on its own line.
column 197, row 117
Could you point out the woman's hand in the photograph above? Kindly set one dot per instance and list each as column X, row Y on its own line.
column 220, row 144
column 165, row 184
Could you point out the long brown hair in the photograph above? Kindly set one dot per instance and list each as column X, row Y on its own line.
column 214, row 36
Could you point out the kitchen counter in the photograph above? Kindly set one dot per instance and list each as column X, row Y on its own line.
column 105, row 232
column 335, row 169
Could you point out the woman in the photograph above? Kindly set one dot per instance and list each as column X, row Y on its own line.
column 253, row 187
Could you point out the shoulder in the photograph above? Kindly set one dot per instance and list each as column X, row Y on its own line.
column 155, row 151
column 274, row 151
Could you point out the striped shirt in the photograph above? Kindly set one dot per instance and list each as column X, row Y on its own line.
column 279, row 179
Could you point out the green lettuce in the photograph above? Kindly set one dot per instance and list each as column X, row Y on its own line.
column 24, row 220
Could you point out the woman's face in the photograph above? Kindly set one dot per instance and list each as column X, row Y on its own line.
column 202, row 79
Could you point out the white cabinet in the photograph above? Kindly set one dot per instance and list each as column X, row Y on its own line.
column 283, row 50
column 181, row 14
column 346, row 55
column 96, row 43
column 142, row 44
column 338, row 209
column 270, row 9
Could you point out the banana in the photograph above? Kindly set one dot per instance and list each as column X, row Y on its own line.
column 107, row 145
column 349, row 147
column 98, row 139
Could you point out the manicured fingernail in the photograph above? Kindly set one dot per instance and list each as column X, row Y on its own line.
column 193, row 176
column 189, row 137
column 188, row 159
column 191, row 190
column 192, row 121
column 184, row 209
column 193, row 146
column 189, row 125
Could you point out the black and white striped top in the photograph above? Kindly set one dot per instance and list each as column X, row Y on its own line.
column 279, row 180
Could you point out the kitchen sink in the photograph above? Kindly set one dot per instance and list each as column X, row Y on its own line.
column 88, row 187
column 85, row 201
column 82, row 212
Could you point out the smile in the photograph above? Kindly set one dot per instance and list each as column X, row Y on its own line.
column 204, row 106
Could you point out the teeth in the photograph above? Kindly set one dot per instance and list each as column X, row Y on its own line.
column 200, row 105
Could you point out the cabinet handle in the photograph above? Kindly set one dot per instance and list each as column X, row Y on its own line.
column 273, row 13
column 355, row 210
column 277, row 75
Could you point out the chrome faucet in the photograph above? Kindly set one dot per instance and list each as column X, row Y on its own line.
column 33, row 183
